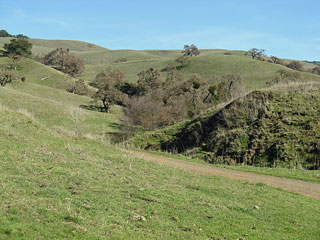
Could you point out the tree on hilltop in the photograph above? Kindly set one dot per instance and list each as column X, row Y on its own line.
column 190, row 50
column 4, row 33
column 256, row 53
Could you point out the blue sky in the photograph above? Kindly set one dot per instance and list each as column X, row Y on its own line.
column 288, row 29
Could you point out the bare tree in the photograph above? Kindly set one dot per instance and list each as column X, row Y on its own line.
column 256, row 53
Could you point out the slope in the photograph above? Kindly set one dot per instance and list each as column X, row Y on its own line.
column 55, row 107
column 64, row 188
column 274, row 127
column 209, row 63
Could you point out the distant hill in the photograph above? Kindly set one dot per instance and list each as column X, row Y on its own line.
column 313, row 62
column 42, row 46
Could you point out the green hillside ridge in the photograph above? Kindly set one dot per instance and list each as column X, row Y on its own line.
column 276, row 127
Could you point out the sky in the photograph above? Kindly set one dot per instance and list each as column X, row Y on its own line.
column 285, row 28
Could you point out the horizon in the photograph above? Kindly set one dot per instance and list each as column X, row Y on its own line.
column 283, row 28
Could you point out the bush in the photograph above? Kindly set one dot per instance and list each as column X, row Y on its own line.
column 295, row 65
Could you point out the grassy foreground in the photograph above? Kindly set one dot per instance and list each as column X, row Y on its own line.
column 57, row 187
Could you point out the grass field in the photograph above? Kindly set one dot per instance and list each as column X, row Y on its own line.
column 58, row 187
column 61, row 179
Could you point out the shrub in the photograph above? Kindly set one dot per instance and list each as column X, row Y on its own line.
column 295, row 65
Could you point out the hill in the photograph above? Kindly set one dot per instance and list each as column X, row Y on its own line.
column 42, row 46
column 60, row 178
column 274, row 127
column 210, row 62
column 76, row 188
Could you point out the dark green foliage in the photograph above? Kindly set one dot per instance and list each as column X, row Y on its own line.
column 190, row 50
column 64, row 61
column 20, row 47
column 131, row 89
column 4, row 33
column 295, row 65
column 16, row 49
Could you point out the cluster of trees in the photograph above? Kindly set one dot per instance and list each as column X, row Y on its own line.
column 155, row 102
column 4, row 33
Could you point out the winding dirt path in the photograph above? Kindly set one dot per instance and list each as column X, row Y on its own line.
column 310, row 189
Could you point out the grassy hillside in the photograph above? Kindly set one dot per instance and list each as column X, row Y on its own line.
column 54, row 107
column 275, row 127
column 210, row 62
column 64, row 188
column 60, row 179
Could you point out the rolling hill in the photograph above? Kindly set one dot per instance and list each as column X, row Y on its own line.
column 61, row 178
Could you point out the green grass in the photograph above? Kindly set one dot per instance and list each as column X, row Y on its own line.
column 59, row 179
column 55, row 187
column 299, row 174
column 54, row 107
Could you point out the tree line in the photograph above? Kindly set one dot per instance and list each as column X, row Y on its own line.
column 4, row 33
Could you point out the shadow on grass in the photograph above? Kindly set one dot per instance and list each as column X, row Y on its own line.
column 92, row 108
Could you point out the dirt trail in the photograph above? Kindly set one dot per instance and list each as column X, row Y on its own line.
column 310, row 189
